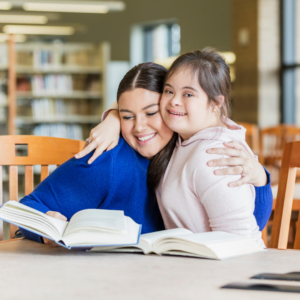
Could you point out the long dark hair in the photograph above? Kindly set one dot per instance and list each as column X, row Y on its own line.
column 212, row 72
column 150, row 76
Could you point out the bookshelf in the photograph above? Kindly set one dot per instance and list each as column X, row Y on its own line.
column 60, row 88
column 3, row 89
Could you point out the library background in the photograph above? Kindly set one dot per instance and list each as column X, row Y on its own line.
column 61, row 62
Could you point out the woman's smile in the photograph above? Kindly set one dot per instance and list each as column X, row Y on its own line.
column 144, row 139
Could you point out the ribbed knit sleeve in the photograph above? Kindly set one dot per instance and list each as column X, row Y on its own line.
column 72, row 187
column 263, row 203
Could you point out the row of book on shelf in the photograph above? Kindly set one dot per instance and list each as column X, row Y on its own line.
column 57, row 83
column 47, row 108
column 57, row 56
column 70, row 131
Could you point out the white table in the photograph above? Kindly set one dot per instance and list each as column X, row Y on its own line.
column 30, row 270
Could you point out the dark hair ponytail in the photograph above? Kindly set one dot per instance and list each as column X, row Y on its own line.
column 150, row 76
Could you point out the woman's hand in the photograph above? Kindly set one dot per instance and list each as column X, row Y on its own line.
column 240, row 161
column 56, row 215
column 103, row 137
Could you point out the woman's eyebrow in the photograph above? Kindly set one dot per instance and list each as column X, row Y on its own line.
column 129, row 111
column 150, row 106
column 125, row 110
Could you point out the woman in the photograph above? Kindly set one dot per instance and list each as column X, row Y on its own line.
column 118, row 178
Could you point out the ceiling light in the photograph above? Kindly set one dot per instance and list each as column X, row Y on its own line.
column 94, row 7
column 48, row 30
column 229, row 57
column 5, row 5
column 18, row 38
column 23, row 19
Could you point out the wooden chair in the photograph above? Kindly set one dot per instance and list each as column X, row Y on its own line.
column 43, row 151
column 272, row 141
column 252, row 136
column 285, row 198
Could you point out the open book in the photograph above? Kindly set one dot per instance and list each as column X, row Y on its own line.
column 180, row 241
column 87, row 228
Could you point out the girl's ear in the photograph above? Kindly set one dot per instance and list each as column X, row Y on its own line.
column 221, row 98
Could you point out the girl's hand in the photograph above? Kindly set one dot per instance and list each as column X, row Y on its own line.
column 104, row 136
column 56, row 215
column 239, row 162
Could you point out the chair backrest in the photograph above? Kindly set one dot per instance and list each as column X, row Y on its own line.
column 272, row 141
column 252, row 136
column 43, row 151
column 284, row 202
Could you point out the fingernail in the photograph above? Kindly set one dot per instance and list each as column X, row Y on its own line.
column 217, row 172
column 209, row 150
column 76, row 156
column 210, row 163
column 231, row 184
column 89, row 162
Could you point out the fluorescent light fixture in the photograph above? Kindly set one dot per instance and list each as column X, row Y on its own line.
column 23, row 19
column 229, row 57
column 92, row 7
column 30, row 29
column 5, row 5
column 19, row 38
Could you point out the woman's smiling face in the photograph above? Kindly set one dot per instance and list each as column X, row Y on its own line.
column 141, row 123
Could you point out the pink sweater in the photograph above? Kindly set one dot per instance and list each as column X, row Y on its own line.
column 191, row 196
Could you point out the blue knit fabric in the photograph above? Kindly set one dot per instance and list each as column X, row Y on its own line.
column 263, row 203
column 115, row 180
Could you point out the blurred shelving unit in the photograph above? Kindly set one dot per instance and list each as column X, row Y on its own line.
column 48, row 89
column 60, row 88
column 3, row 89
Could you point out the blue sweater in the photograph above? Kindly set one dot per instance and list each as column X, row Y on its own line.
column 116, row 180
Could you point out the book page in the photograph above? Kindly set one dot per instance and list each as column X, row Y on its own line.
column 14, row 210
column 89, row 236
column 111, row 221
column 213, row 244
column 150, row 238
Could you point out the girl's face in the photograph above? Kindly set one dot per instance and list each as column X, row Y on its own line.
column 184, row 105
column 141, row 123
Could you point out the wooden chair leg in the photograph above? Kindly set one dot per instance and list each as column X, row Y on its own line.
column 264, row 235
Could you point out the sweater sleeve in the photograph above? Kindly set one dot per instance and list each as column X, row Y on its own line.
column 263, row 203
column 72, row 187
column 113, row 106
column 228, row 209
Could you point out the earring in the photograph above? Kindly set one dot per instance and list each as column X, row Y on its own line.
column 215, row 109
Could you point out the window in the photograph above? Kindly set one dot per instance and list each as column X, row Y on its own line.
column 290, row 62
column 154, row 42
column 161, row 41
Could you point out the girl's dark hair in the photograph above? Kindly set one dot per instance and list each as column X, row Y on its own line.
column 212, row 72
column 150, row 76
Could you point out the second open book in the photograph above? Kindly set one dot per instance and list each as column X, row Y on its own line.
column 180, row 241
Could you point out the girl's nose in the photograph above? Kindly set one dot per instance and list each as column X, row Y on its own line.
column 176, row 101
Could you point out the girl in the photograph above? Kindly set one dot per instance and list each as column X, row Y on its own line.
column 195, row 103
